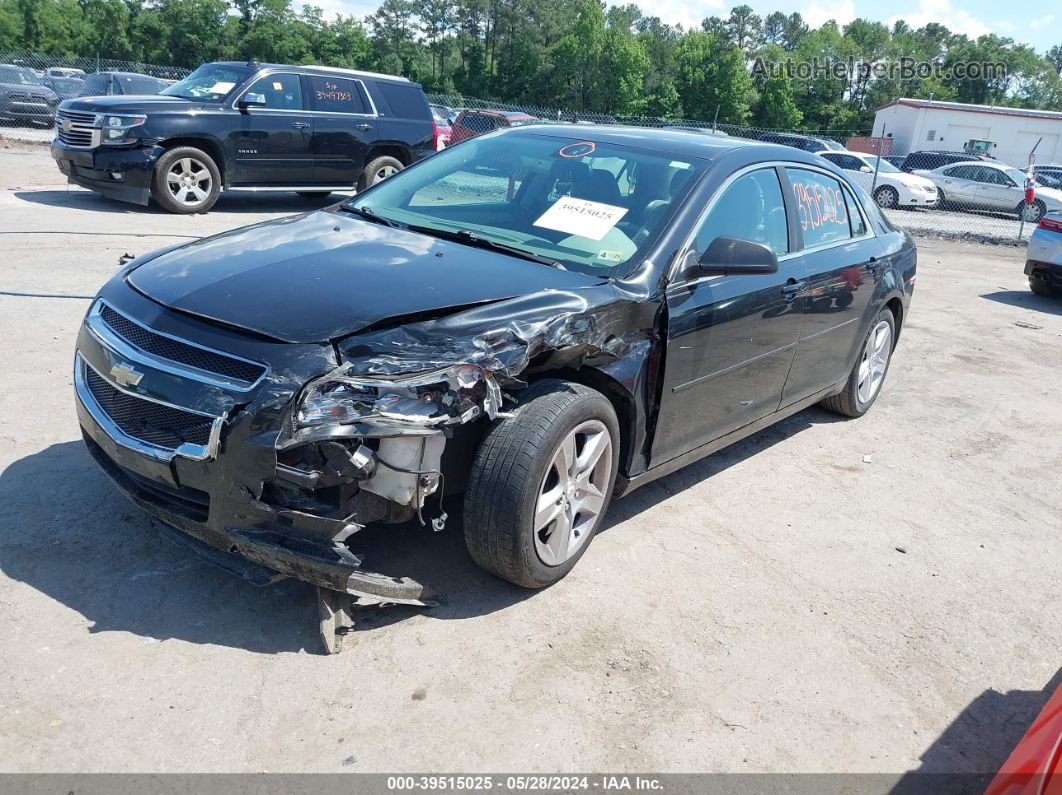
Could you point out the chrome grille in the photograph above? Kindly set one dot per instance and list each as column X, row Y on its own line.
column 76, row 129
column 150, row 422
column 174, row 350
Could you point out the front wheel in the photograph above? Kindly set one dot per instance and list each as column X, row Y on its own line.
column 186, row 180
column 377, row 170
column 886, row 197
column 541, row 482
column 867, row 376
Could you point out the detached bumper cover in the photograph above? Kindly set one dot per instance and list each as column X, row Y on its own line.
column 95, row 169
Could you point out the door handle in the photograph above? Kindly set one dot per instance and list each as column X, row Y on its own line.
column 299, row 125
column 364, row 126
column 792, row 288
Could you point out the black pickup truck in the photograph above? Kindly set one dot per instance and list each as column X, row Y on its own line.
column 244, row 126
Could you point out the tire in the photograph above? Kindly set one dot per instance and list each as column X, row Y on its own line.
column 313, row 194
column 886, row 197
column 516, row 465
column 377, row 170
column 852, row 401
column 1035, row 212
column 1040, row 287
column 942, row 200
column 203, row 186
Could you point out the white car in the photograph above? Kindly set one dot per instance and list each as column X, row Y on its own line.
column 892, row 188
column 990, row 185
column 1043, row 258
column 64, row 71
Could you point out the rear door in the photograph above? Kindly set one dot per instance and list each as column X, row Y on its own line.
column 841, row 260
column 960, row 185
column 344, row 125
column 270, row 143
column 731, row 339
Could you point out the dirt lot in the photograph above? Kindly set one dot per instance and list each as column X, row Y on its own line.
column 879, row 595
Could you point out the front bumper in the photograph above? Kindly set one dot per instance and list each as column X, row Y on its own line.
column 119, row 173
column 214, row 492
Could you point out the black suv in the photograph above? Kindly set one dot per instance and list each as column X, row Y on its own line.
column 244, row 126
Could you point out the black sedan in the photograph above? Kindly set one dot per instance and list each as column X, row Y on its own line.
column 540, row 319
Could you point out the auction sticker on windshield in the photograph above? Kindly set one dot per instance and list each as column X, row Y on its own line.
column 224, row 87
column 581, row 217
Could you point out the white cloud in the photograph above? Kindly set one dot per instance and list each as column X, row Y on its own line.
column 815, row 14
column 941, row 11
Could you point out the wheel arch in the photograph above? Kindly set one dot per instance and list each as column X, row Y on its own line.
column 207, row 145
column 390, row 149
column 623, row 402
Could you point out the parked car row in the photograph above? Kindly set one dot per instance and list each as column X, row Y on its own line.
column 29, row 98
column 539, row 319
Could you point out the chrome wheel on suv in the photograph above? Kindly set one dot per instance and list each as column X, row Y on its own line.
column 186, row 180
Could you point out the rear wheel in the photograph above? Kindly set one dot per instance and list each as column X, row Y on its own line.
column 186, row 180
column 379, row 169
column 867, row 376
column 541, row 483
column 1041, row 287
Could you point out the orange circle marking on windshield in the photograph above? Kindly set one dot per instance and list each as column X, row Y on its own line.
column 581, row 149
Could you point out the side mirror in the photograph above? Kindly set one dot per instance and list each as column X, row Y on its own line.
column 249, row 100
column 727, row 255
column 866, row 169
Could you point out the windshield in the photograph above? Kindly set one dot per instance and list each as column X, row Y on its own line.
column 592, row 207
column 1018, row 177
column 883, row 165
column 19, row 76
column 211, row 82
column 66, row 83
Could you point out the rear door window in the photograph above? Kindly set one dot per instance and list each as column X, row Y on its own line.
column 336, row 95
column 406, row 101
column 821, row 207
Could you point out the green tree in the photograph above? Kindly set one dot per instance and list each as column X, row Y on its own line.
column 711, row 77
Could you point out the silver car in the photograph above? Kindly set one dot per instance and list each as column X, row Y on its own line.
column 982, row 185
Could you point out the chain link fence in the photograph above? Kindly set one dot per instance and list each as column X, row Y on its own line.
column 947, row 194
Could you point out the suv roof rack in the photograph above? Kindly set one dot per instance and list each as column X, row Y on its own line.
column 358, row 72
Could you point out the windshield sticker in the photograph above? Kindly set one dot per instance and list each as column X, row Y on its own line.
column 610, row 255
column 278, row 86
column 222, row 87
column 581, row 149
column 580, row 217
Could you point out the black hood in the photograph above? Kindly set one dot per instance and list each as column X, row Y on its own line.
column 324, row 275
column 119, row 103
column 43, row 92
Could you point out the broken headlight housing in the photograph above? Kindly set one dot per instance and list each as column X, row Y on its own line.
column 448, row 396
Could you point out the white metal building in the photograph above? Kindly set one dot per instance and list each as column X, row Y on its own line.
column 919, row 124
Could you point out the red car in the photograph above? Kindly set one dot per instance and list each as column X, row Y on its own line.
column 476, row 122
column 1034, row 767
column 441, row 129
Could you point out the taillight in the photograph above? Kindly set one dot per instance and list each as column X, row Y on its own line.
column 438, row 137
column 1051, row 224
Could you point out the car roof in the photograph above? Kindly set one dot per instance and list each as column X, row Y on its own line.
column 127, row 74
column 673, row 142
column 316, row 68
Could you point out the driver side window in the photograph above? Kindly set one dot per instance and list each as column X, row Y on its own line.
column 281, row 92
column 751, row 208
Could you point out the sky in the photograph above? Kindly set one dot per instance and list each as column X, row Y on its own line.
column 1038, row 23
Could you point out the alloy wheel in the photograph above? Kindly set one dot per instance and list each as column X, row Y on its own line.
column 383, row 173
column 188, row 181
column 874, row 362
column 572, row 495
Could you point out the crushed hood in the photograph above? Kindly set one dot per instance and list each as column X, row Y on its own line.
column 324, row 275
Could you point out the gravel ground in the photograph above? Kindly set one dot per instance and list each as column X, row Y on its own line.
column 879, row 595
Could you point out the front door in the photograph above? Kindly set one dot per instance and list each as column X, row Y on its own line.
column 731, row 339
column 271, row 142
column 343, row 127
column 1000, row 191
column 842, row 261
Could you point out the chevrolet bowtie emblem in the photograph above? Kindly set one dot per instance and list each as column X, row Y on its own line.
column 125, row 375
column 67, row 125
